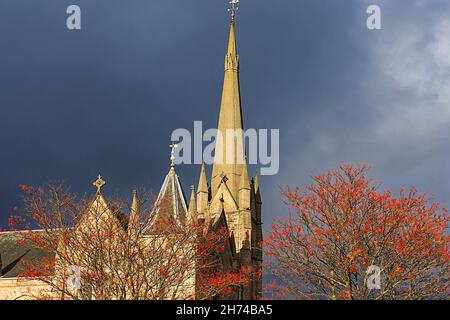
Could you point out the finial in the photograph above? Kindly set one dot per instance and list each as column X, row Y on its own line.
column 172, row 154
column 234, row 8
column 99, row 183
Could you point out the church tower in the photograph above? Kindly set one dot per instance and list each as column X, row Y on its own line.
column 231, row 190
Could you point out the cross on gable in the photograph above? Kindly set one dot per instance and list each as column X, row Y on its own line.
column 99, row 183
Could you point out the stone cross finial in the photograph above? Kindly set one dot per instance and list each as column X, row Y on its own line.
column 99, row 183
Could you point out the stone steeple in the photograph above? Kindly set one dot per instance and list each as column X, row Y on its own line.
column 229, row 152
column 202, row 193
column 192, row 209
column 135, row 220
column 231, row 191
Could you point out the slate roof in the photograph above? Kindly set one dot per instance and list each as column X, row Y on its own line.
column 12, row 254
column 170, row 208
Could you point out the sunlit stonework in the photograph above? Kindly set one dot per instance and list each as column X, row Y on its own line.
column 231, row 199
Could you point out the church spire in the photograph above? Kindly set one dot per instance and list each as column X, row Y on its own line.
column 135, row 204
column 229, row 151
column 256, row 187
column 192, row 209
column 232, row 58
column 202, row 192
column 133, row 225
column 202, row 182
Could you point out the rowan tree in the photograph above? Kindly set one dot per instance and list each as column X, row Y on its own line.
column 341, row 224
column 121, row 257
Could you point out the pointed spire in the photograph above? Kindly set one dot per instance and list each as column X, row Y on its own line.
column 192, row 213
column 202, row 192
column 256, row 186
column 202, row 182
column 232, row 57
column 135, row 203
column 232, row 51
column 170, row 208
column 133, row 225
column 229, row 155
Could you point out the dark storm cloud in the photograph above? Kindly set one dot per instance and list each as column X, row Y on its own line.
column 106, row 99
column 392, row 107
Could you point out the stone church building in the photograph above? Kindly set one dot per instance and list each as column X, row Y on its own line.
column 230, row 198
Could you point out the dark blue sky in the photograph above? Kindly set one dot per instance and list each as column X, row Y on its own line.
column 106, row 99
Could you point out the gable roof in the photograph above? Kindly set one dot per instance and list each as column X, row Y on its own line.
column 13, row 254
column 223, row 199
column 100, row 208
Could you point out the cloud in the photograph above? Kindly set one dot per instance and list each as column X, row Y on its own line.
column 336, row 90
column 413, row 62
column 393, row 107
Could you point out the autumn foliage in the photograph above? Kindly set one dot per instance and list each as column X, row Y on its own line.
column 342, row 224
column 120, row 256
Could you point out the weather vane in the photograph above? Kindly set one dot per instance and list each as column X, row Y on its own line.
column 234, row 8
column 172, row 154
